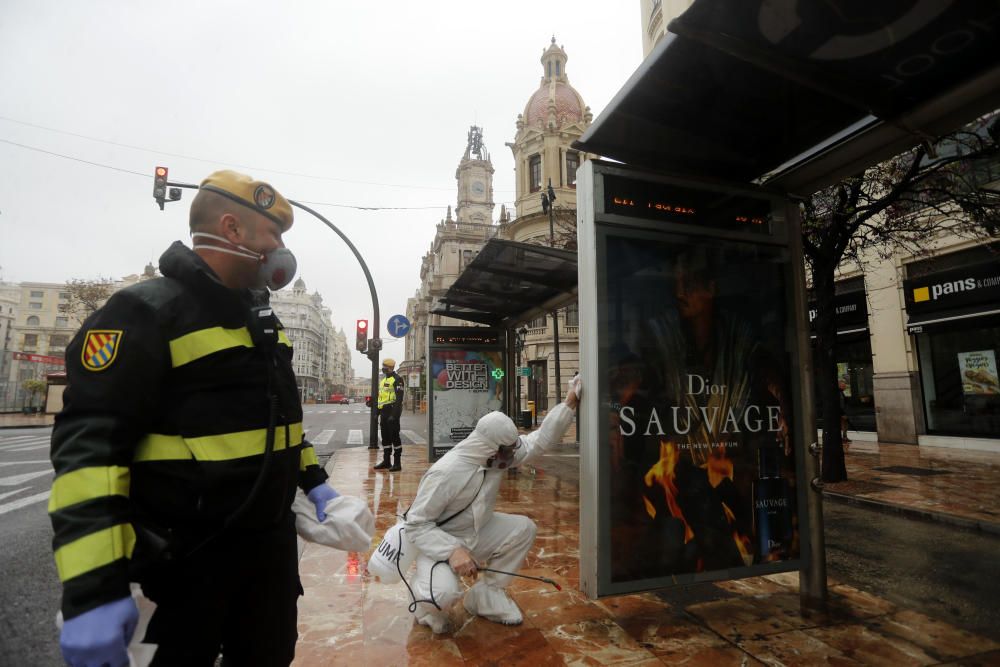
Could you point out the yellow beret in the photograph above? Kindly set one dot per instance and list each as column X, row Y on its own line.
column 257, row 195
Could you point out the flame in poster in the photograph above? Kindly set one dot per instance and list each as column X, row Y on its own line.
column 717, row 467
column 664, row 473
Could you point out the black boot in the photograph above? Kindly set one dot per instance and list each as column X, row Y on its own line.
column 396, row 455
column 385, row 460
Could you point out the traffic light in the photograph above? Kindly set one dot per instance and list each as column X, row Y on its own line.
column 361, row 336
column 160, row 185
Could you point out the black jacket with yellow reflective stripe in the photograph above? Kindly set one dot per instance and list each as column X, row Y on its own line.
column 164, row 435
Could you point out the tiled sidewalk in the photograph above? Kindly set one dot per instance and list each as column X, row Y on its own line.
column 950, row 485
column 348, row 619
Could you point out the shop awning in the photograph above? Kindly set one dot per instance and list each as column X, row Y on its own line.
column 949, row 318
column 509, row 283
column 800, row 94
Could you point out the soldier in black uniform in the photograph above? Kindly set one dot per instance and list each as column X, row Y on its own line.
column 179, row 449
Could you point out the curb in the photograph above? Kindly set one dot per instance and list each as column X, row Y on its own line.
column 929, row 516
column 11, row 426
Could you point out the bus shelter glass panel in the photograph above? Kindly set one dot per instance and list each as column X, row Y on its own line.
column 694, row 450
column 465, row 380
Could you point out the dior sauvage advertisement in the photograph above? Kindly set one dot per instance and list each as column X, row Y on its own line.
column 699, row 448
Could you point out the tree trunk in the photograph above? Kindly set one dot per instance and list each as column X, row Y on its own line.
column 834, row 468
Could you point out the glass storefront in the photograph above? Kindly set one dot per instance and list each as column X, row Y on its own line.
column 854, row 366
column 958, row 375
column 853, row 354
column 953, row 311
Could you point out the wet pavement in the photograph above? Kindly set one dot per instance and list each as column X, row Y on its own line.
column 347, row 618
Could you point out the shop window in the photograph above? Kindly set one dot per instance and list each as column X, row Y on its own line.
column 33, row 321
column 535, row 173
column 572, row 164
column 959, row 378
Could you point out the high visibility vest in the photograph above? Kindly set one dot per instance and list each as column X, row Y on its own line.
column 386, row 391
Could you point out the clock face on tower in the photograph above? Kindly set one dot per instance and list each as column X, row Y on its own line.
column 478, row 188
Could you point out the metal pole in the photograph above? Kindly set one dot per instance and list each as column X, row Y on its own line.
column 555, row 336
column 812, row 580
column 372, row 354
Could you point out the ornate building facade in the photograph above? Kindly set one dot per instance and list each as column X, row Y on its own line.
column 545, row 163
column 322, row 357
column 456, row 243
column 554, row 117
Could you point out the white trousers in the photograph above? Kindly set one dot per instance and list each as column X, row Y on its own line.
column 503, row 543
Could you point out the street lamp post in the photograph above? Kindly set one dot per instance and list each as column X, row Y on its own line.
column 548, row 206
column 519, row 343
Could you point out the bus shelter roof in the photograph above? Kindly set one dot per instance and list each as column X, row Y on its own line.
column 798, row 95
column 509, row 283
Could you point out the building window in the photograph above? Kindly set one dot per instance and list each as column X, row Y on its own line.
column 30, row 341
column 37, row 294
column 572, row 164
column 33, row 321
column 958, row 373
column 34, row 305
column 466, row 258
column 64, row 296
column 535, row 172
column 537, row 323
column 573, row 315
column 58, row 340
column 62, row 321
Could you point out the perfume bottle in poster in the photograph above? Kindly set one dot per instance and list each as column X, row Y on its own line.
column 700, row 460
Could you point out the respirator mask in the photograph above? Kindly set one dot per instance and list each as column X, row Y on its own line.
column 504, row 456
column 275, row 268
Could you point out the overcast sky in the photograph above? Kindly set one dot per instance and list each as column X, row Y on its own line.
column 351, row 103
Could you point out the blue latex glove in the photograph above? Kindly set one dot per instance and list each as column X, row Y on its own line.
column 320, row 495
column 100, row 636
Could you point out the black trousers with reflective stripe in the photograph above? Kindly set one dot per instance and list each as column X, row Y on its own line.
column 238, row 598
column 390, row 432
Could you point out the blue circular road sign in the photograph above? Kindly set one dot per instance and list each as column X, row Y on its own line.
column 398, row 326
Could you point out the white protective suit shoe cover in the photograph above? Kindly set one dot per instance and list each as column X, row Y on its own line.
column 437, row 621
column 349, row 523
column 493, row 604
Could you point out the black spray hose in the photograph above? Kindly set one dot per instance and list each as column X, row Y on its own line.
column 523, row 576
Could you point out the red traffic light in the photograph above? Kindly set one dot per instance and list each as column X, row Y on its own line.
column 160, row 185
column 361, row 336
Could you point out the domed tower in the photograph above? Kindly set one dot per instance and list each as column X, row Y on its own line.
column 554, row 117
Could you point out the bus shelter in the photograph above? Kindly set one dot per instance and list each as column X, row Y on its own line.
column 697, row 439
column 469, row 368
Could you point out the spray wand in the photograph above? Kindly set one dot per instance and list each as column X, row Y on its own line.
column 523, row 576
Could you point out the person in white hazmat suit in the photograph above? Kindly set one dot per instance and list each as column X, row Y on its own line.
column 463, row 485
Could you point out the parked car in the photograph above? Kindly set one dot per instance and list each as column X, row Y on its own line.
column 339, row 399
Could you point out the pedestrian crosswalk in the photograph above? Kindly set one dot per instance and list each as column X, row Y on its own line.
column 24, row 482
column 323, row 437
column 327, row 439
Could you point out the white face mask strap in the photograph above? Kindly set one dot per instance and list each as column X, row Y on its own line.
column 247, row 253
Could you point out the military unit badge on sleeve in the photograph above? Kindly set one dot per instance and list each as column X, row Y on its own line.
column 100, row 348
